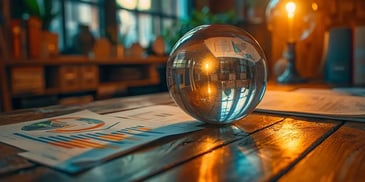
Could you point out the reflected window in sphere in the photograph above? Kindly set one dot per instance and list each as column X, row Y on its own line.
column 217, row 73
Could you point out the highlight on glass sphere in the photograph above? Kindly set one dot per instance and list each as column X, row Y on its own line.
column 217, row 73
column 292, row 20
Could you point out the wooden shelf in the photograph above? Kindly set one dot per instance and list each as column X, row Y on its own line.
column 50, row 91
column 106, row 73
column 85, row 60
column 131, row 83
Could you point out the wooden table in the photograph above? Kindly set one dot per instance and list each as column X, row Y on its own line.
column 260, row 147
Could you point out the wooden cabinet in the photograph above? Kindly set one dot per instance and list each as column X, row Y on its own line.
column 53, row 80
column 27, row 79
column 72, row 76
column 89, row 76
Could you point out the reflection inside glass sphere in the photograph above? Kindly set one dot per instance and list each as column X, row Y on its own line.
column 217, row 74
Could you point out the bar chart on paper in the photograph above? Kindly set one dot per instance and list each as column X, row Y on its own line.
column 62, row 142
column 94, row 139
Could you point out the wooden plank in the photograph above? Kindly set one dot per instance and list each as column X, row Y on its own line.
column 62, row 60
column 159, row 155
column 27, row 79
column 258, row 157
column 146, row 64
column 5, row 92
column 10, row 162
column 339, row 158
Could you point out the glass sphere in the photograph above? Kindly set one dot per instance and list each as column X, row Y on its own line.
column 217, row 73
column 291, row 20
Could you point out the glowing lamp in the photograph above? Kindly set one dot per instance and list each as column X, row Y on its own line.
column 291, row 21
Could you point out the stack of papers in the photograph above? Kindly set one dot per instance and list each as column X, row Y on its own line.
column 320, row 104
column 80, row 140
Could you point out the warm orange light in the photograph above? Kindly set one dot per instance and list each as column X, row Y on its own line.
column 209, row 89
column 208, row 162
column 293, row 145
column 314, row 6
column 208, row 65
column 290, row 8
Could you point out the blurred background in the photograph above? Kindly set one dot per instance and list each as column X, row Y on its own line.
column 77, row 51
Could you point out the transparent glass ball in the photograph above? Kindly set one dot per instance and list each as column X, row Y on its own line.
column 217, row 73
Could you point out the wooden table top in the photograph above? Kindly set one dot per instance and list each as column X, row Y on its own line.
column 260, row 147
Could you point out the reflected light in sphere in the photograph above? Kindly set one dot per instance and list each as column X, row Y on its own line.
column 217, row 73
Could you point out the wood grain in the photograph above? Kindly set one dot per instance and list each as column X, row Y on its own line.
column 258, row 157
column 260, row 147
column 5, row 97
column 339, row 158
column 10, row 162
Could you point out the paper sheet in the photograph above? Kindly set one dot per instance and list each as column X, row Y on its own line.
column 316, row 104
column 80, row 140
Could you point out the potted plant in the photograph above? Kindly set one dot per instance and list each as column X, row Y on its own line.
column 42, row 11
column 204, row 16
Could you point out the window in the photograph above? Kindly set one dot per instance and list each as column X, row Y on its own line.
column 141, row 20
column 73, row 13
column 138, row 20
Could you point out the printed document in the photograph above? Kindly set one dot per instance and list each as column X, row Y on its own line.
column 80, row 140
column 316, row 104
